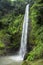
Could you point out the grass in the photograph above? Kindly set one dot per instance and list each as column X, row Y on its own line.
column 36, row 62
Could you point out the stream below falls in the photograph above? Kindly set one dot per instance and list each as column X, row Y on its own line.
column 10, row 60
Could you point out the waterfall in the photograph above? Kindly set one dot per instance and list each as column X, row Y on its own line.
column 23, row 45
column 22, row 51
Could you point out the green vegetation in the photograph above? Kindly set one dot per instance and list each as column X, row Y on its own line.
column 36, row 33
column 11, row 19
column 10, row 30
column 37, row 62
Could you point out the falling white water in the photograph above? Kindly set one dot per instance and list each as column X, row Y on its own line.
column 22, row 51
column 23, row 45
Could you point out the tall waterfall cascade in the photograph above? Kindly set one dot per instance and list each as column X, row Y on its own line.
column 23, row 45
column 22, row 51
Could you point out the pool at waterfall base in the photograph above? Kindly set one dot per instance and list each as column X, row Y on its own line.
column 11, row 60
